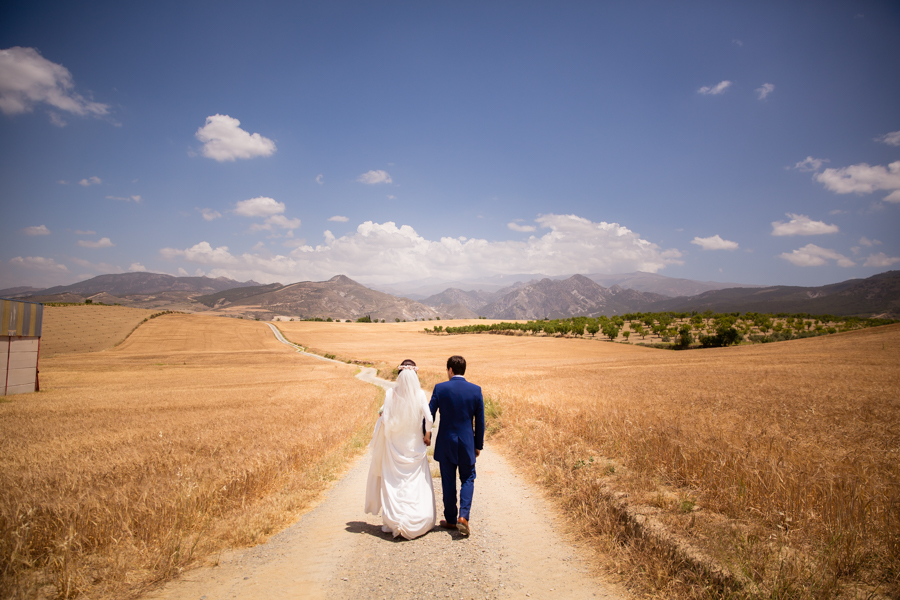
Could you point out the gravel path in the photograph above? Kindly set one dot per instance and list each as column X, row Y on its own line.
column 337, row 551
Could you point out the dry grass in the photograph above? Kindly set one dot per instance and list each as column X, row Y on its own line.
column 87, row 328
column 789, row 450
column 194, row 435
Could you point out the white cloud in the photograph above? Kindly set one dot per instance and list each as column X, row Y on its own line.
column 715, row 90
column 339, row 219
column 209, row 214
column 521, row 228
column 863, row 179
column 810, row 164
column 37, row 262
column 202, row 253
column 224, row 140
column 737, row 42
column 802, row 225
column 384, row 253
column 86, row 232
column 276, row 222
column 864, row 241
column 391, row 197
column 28, row 79
column 372, row 177
column 101, row 243
column 36, row 230
column 182, row 272
column 100, row 267
column 881, row 260
column 763, row 91
column 259, row 207
column 891, row 139
column 714, row 243
column 320, row 179
column 90, row 181
column 137, row 268
column 811, row 255
column 135, row 199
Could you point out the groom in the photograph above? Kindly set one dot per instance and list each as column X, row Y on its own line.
column 458, row 441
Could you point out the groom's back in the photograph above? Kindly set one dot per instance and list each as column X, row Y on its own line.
column 459, row 403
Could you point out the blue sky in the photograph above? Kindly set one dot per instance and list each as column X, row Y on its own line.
column 744, row 142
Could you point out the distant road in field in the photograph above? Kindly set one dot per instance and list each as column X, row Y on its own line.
column 516, row 549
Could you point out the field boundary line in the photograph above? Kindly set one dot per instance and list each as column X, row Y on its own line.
column 366, row 374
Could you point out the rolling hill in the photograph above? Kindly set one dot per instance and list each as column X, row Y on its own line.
column 340, row 298
column 126, row 284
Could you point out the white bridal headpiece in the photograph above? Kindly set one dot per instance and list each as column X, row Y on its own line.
column 409, row 367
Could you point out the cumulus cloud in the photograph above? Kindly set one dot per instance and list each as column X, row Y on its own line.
column 372, row 177
column 715, row 90
column 135, row 199
column 137, row 268
column 714, row 243
column 385, row 253
column 737, row 42
column 90, row 181
column 339, row 219
column 891, row 139
column 521, row 228
column 811, row 255
column 36, row 230
column 259, row 207
column 763, row 91
column 37, row 262
column 863, row 179
column 209, row 214
column 864, row 241
column 182, row 272
column 320, row 179
column 802, row 225
column 810, row 164
column 101, row 243
column 28, row 79
column 224, row 140
column 881, row 259
column 276, row 222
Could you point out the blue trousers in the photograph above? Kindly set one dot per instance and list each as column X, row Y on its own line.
column 466, row 489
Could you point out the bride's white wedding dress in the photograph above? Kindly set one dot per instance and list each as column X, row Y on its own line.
column 399, row 482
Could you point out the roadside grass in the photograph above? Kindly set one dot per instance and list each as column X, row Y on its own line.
column 122, row 474
column 776, row 463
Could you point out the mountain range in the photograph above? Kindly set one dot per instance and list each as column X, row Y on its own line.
column 550, row 297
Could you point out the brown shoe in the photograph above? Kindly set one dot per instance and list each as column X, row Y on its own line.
column 447, row 525
column 463, row 526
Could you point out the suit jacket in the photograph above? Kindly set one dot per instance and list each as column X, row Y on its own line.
column 459, row 403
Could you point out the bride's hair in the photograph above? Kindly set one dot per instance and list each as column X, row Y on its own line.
column 404, row 411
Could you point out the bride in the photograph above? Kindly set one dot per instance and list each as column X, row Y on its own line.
column 399, row 482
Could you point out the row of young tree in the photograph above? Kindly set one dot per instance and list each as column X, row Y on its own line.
column 681, row 330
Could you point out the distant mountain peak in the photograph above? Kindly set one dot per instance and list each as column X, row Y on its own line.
column 341, row 279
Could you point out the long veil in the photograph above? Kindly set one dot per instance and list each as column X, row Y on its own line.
column 404, row 411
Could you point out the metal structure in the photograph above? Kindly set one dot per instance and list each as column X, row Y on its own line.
column 20, row 333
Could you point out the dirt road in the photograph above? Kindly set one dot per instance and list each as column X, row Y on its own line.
column 336, row 551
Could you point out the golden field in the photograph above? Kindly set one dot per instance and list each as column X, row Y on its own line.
column 194, row 435
column 87, row 327
column 779, row 461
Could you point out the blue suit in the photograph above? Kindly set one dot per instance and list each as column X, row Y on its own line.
column 460, row 404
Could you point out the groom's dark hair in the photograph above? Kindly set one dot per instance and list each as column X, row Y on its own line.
column 457, row 364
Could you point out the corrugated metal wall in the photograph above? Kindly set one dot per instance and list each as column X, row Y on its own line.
column 20, row 333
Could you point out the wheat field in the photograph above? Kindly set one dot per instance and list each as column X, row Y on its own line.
column 779, row 461
column 194, row 435
column 87, row 327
